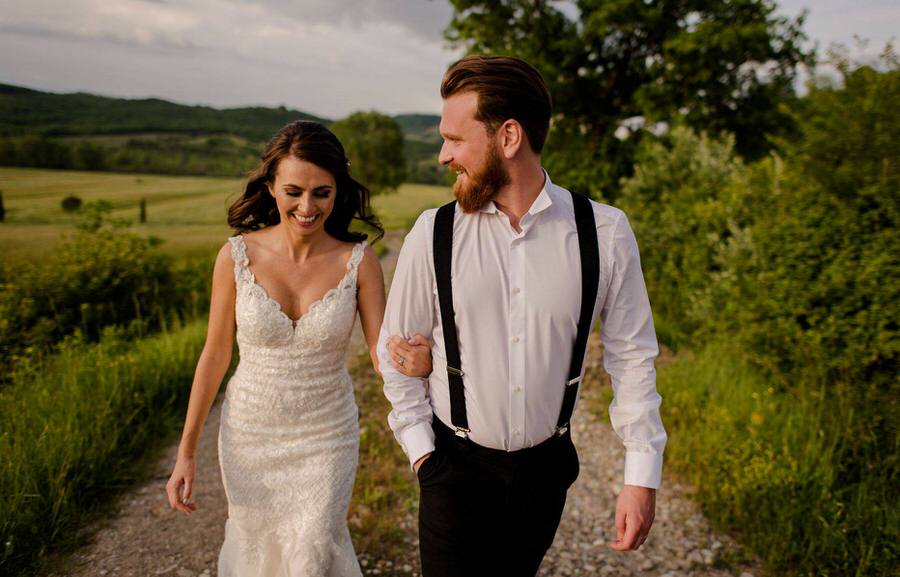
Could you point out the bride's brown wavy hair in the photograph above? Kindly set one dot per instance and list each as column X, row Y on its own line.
column 312, row 142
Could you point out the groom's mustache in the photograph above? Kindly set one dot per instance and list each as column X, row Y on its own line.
column 453, row 167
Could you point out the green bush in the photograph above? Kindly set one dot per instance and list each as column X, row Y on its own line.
column 684, row 203
column 813, row 287
column 71, row 204
column 101, row 276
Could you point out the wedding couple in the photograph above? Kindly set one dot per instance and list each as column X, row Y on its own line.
column 505, row 283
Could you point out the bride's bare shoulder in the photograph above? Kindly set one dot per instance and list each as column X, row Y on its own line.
column 258, row 237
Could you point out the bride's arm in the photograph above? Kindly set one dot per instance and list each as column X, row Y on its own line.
column 211, row 368
column 371, row 302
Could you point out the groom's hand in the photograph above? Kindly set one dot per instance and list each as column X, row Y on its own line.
column 418, row 463
column 635, row 510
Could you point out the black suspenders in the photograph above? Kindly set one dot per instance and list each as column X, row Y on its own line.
column 443, row 248
column 590, row 278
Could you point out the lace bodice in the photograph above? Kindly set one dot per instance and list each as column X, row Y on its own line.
column 263, row 327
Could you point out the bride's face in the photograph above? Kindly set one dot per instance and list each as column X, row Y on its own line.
column 304, row 193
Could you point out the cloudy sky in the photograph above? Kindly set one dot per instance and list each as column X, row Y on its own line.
column 326, row 57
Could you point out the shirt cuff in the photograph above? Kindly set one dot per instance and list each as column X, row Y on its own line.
column 643, row 469
column 418, row 440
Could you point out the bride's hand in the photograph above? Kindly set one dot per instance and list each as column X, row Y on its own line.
column 181, row 484
column 411, row 357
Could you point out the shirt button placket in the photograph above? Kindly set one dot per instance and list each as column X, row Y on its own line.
column 517, row 343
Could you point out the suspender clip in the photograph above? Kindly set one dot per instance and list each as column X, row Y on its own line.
column 560, row 431
column 454, row 371
column 462, row 432
column 571, row 382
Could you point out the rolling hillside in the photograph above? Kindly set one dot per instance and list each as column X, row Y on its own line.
column 89, row 132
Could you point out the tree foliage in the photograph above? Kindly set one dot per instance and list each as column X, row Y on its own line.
column 374, row 144
column 721, row 66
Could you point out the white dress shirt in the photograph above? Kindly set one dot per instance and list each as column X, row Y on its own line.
column 517, row 297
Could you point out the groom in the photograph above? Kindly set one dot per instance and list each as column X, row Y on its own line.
column 508, row 281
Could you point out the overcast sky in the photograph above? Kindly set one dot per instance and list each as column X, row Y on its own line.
column 326, row 57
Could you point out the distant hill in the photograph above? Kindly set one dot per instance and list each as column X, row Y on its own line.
column 90, row 132
column 420, row 126
column 25, row 112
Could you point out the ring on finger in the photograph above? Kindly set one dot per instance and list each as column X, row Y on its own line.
column 402, row 361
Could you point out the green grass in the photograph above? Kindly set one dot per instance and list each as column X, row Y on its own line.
column 71, row 433
column 188, row 213
column 768, row 466
column 385, row 495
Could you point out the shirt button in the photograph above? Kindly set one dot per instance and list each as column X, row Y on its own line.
column 518, row 389
column 515, row 339
column 516, row 431
column 515, row 291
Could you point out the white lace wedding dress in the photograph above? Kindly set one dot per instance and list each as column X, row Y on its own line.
column 289, row 436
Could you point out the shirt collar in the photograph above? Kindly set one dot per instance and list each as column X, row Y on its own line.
column 543, row 200
column 541, row 203
column 489, row 207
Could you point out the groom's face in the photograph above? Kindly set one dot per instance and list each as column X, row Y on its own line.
column 471, row 151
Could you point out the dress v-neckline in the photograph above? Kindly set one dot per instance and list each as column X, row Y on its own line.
column 313, row 305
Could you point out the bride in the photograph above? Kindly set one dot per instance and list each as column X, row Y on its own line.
column 288, row 288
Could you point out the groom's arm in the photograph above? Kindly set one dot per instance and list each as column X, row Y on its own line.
column 410, row 310
column 630, row 349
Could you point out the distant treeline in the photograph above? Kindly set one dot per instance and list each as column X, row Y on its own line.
column 88, row 132
column 160, row 154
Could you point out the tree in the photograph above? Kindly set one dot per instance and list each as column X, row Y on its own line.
column 374, row 144
column 720, row 66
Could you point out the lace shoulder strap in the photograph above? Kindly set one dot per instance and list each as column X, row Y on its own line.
column 239, row 256
column 353, row 264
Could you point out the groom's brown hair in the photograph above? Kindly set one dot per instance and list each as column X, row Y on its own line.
column 507, row 88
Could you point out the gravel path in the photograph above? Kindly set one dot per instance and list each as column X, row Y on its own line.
column 144, row 536
column 681, row 543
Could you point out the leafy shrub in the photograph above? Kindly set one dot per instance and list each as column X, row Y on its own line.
column 683, row 204
column 71, row 204
column 102, row 275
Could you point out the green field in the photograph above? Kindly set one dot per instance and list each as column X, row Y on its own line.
column 188, row 213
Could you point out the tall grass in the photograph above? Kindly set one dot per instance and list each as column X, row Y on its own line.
column 70, row 433
column 385, row 497
column 769, row 465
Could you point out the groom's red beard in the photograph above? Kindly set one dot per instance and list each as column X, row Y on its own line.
column 482, row 187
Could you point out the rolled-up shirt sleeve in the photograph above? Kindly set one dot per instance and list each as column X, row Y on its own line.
column 630, row 350
column 410, row 310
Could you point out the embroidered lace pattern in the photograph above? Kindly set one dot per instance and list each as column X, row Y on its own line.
column 289, row 435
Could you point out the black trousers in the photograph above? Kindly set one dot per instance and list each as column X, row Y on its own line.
column 485, row 512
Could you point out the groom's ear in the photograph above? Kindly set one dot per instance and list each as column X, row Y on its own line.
column 512, row 136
